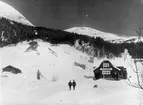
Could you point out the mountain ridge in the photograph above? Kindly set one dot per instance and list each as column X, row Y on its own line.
column 88, row 40
column 95, row 33
column 11, row 13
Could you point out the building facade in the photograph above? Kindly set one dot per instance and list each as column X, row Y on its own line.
column 108, row 71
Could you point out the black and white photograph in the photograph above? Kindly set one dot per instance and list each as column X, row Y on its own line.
column 71, row 52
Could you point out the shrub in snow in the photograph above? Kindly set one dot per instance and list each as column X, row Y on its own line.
column 91, row 59
column 54, row 78
column 138, row 63
column 88, row 77
column 4, row 76
column 83, row 66
column 95, row 86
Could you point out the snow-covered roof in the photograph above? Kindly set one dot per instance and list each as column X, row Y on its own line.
column 116, row 67
column 107, row 61
column 11, row 68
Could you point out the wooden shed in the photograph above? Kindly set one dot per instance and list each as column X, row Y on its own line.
column 108, row 71
column 12, row 69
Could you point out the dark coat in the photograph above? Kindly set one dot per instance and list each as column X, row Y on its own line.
column 70, row 83
column 74, row 83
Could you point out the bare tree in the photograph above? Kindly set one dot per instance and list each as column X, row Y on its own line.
column 139, row 32
column 137, row 72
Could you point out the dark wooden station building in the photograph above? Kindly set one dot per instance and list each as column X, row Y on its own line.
column 107, row 71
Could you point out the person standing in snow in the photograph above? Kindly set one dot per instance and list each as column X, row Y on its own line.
column 38, row 74
column 70, row 84
column 74, row 84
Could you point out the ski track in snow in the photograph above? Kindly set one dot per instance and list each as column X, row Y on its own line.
column 24, row 89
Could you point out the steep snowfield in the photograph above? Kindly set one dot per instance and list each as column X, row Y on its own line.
column 11, row 13
column 96, row 33
column 57, row 62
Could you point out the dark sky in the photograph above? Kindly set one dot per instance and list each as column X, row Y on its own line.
column 116, row 16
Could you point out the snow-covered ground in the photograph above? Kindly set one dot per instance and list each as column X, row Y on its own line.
column 57, row 62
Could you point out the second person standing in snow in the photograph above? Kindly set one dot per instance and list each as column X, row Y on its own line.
column 74, row 84
column 70, row 84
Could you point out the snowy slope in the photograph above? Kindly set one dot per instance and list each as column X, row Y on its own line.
column 96, row 33
column 11, row 13
column 58, row 62
column 134, row 39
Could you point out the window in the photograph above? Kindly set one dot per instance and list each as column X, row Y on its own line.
column 106, row 72
column 105, row 64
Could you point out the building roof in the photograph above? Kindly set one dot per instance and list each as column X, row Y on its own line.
column 117, row 68
column 11, row 67
column 109, row 63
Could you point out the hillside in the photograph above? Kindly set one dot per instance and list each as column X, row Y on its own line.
column 57, row 65
column 11, row 34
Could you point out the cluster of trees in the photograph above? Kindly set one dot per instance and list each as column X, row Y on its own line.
column 12, row 32
column 134, row 49
column 90, row 45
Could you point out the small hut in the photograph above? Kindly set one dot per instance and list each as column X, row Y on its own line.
column 11, row 69
column 108, row 71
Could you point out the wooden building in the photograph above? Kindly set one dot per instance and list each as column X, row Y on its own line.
column 108, row 71
column 11, row 69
